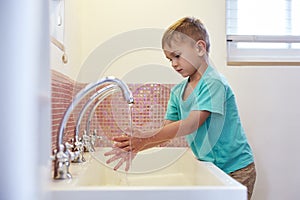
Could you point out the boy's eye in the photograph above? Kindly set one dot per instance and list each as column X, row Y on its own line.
column 173, row 56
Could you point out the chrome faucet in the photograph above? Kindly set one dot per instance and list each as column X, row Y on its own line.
column 63, row 155
column 87, row 140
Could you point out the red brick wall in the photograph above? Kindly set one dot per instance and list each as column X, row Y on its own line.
column 112, row 115
column 63, row 89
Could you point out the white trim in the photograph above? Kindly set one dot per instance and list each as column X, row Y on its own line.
column 249, row 46
column 264, row 38
column 235, row 54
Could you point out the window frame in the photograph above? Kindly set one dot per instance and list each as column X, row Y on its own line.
column 237, row 56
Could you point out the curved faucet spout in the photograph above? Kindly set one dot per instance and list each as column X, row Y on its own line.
column 127, row 94
column 100, row 95
column 63, row 154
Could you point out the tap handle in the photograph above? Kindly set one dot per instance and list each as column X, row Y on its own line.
column 69, row 146
column 95, row 132
column 85, row 138
column 53, row 156
column 69, row 152
column 61, row 159
column 60, row 155
column 78, row 145
column 94, row 136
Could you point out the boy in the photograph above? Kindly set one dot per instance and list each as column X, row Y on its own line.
column 202, row 108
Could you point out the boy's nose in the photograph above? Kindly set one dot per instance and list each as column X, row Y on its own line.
column 174, row 63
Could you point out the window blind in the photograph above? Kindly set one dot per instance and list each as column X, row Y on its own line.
column 263, row 31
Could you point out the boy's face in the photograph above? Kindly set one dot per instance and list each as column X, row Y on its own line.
column 184, row 57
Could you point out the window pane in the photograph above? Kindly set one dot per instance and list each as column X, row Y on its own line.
column 257, row 17
column 296, row 46
column 295, row 14
column 263, row 30
column 261, row 45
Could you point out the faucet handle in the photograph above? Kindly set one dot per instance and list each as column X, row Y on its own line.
column 85, row 138
column 68, row 146
column 53, row 156
column 59, row 154
column 77, row 154
column 93, row 138
column 69, row 152
column 86, row 141
column 61, row 160
column 78, row 145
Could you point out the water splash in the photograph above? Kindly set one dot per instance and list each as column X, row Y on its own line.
column 130, row 112
column 130, row 107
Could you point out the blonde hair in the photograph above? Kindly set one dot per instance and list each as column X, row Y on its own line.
column 187, row 27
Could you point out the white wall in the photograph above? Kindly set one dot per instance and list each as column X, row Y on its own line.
column 71, row 40
column 267, row 96
column 90, row 25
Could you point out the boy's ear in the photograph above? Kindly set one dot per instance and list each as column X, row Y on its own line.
column 201, row 47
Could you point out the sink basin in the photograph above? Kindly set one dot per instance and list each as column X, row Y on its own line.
column 158, row 173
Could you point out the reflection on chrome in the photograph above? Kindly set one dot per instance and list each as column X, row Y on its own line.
column 65, row 153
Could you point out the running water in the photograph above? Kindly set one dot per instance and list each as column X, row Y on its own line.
column 130, row 119
column 130, row 128
column 130, row 133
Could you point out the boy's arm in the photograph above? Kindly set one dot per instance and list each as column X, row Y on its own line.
column 128, row 147
column 154, row 144
column 170, row 130
column 181, row 127
column 168, row 122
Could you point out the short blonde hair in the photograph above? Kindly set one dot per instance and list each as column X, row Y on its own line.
column 187, row 27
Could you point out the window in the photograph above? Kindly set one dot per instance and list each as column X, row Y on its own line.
column 263, row 32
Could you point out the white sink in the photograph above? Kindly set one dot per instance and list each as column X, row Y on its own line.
column 160, row 173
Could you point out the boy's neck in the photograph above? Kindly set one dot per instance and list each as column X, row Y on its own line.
column 198, row 75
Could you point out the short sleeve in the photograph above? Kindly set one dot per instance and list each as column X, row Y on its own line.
column 172, row 112
column 210, row 96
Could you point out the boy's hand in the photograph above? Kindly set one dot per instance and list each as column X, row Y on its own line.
column 125, row 149
column 129, row 143
column 122, row 156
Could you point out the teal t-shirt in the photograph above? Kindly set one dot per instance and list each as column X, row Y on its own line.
column 221, row 138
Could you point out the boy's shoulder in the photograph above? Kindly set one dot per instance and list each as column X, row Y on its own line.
column 212, row 75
